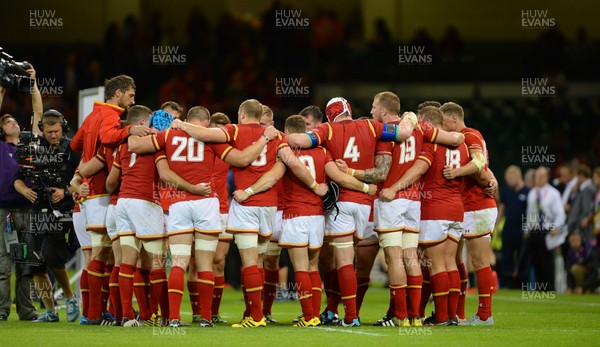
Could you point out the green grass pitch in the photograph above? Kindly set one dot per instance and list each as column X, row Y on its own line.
column 521, row 318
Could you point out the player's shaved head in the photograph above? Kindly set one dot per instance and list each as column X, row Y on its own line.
column 428, row 103
column 453, row 109
column 431, row 115
column 295, row 124
column 137, row 114
column 389, row 101
column 219, row 118
column 252, row 108
column 200, row 113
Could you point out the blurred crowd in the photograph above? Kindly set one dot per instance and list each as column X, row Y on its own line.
column 573, row 247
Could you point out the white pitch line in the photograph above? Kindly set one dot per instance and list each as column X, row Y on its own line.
column 546, row 301
column 349, row 331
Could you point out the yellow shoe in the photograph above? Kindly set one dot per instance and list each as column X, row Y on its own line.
column 248, row 322
column 417, row 322
column 313, row 322
column 405, row 323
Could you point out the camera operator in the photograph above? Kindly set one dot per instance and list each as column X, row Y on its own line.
column 50, row 220
column 14, row 212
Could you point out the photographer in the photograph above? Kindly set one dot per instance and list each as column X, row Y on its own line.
column 52, row 165
column 14, row 212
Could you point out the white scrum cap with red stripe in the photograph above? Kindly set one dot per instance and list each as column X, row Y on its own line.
column 336, row 107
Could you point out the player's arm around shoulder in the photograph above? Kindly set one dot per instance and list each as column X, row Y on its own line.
column 347, row 181
column 291, row 161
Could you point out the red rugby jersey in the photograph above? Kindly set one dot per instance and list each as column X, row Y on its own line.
column 355, row 142
column 474, row 197
column 219, row 184
column 300, row 200
column 107, row 156
column 404, row 156
column 191, row 159
column 139, row 179
column 441, row 198
column 241, row 136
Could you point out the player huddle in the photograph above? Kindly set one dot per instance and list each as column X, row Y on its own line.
column 157, row 188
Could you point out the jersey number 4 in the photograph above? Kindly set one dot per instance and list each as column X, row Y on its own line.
column 195, row 149
column 351, row 151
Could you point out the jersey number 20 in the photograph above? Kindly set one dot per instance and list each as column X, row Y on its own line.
column 195, row 149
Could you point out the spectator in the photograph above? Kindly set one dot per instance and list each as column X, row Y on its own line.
column 545, row 216
column 578, row 258
column 513, row 206
column 596, row 208
column 579, row 217
column 530, row 178
column 566, row 180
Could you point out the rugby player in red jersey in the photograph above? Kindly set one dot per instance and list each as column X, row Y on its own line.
column 256, row 215
column 479, row 206
column 354, row 142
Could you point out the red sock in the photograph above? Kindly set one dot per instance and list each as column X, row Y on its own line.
column 106, row 287
column 270, row 289
column 328, row 282
column 126, row 275
column 206, row 285
column 347, row 283
column 362, row 285
column 153, row 301
column 398, row 295
column 245, row 295
column 464, row 281
column 413, row 291
column 85, row 292
column 176, row 279
column 315, row 280
column 253, row 285
column 192, row 287
column 333, row 300
column 141, row 294
column 439, row 288
column 160, row 289
column 95, row 272
column 304, row 288
column 115, row 296
column 484, row 287
column 391, row 309
column 218, row 294
column 425, row 291
column 454, row 291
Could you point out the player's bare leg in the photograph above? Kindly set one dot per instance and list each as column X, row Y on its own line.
column 219, row 272
column 205, row 247
column 439, row 283
column 365, row 258
column 343, row 250
column 181, row 253
column 130, row 248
